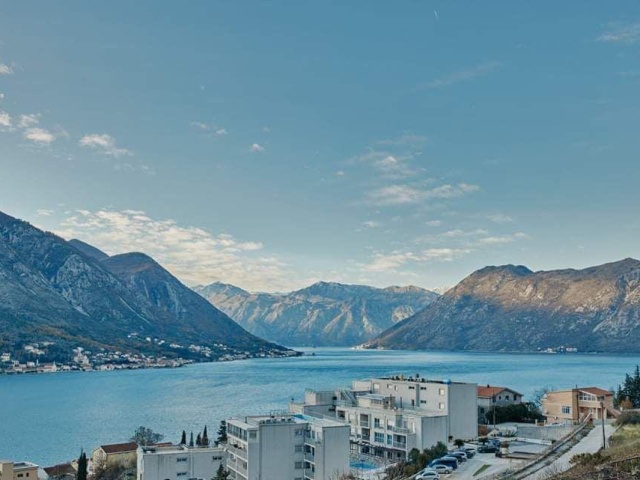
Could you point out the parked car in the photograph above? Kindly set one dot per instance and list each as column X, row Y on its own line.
column 427, row 474
column 489, row 448
column 461, row 456
column 441, row 468
column 468, row 450
column 446, row 460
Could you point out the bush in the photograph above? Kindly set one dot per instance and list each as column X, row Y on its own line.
column 628, row 418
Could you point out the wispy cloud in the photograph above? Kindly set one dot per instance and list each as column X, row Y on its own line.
column 104, row 144
column 621, row 33
column 407, row 140
column 460, row 76
column 29, row 120
column 5, row 119
column 44, row 212
column 433, row 223
column 394, row 261
column 212, row 130
column 39, row 136
column 193, row 254
column 371, row 224
column 410, row 194
column 499, row 218
column 256, row 148
column 5, row 69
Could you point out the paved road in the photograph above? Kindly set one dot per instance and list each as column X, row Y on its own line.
column 589, row 444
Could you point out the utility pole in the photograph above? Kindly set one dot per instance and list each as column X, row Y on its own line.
column 493, row 399
column 604, row 437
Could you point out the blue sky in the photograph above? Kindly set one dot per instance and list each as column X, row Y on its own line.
column 274, row 144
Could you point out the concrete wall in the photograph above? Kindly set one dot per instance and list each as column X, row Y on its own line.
column 183, row 464
column 332, row 455
column 432, row 430
column 463, row 410
column 555, row 432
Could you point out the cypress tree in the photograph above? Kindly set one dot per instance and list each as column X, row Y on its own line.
column 183, row 439
column 205, row 437
column 82, row 466
column 199, row 440
column 191, row 440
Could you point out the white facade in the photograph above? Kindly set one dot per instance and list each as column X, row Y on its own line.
column 286, row 447
column 179, row 462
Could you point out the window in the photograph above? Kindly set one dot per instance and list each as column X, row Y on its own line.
column 181, row 459
column 389, row 439
column 441, row 406
column 297, row 465
column 217, row 458
column 506, row 397
column 376, row 423
column 423, row 388
column 441, row 392
column 253, row 435
column 299, row 432
column 566, row 410
column 182, row 474
column 20, row 475
column 379, row 437
column 423, row 401
column 411, row 387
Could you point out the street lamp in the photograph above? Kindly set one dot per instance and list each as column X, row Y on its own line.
column 604, row 437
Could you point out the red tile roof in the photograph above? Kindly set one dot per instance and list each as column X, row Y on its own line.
column 596, row 391
column 490, row 391
column 120, row 447
column 60, row 470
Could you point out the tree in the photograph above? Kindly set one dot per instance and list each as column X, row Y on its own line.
column 222, row 433
column 183, row 439
column 630, row 389
column 221, row 474
column 205, row 437
column 82, row 466
column 539, row 394
column 199, row 440
column 145, row 436
column 458, row 442
column 191, row 440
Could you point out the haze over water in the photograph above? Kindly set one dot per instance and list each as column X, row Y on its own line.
column 48, row 418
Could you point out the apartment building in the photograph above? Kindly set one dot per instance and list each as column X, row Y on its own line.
column 285, row 446
column 178, row 462
column 390, row 416
column 494, row 396
column 578, row 404
column 18, row 470
column 114, row 454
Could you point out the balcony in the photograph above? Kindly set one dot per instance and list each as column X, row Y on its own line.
column 310, row 457
column 399, row 429
column 237, row 451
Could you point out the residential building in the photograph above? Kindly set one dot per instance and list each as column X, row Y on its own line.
column 577, row 405
column 390, row 416
column 178, row 462
column 117, row 453
column 493, row 396
column 62, row 471
column 18, row 470
column 286, row 446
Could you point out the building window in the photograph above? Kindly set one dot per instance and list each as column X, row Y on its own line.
column 423, row 401
column 441, row 392
column 216, row 458
column 182, row 474
column 253, row 435
column 389, row 439
column 299, row 432
column 411, row 387
column 20, row 475
column 441, row 406
column 378, row 437
column 376, row 423
column 423, row 388
column 297, row 448
column 297, row 465
column 506, row 397
column 181, row 459
column 566, row 410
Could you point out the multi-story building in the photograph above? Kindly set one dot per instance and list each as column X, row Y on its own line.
column 493, row 396
column 285, row 446
column 18, row 470
column 390, row 416
column 178, row 462
column 578, row 404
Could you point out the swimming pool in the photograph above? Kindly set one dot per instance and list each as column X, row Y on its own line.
column 362, row 465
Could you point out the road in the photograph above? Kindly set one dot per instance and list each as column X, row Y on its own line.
column 589, row 444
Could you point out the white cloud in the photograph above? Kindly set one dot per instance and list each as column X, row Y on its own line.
column 501, row 239
column 44, row 212
column 394, row 261
column 433, row 223
column 193, row 254
column 621, row 33
column 130, row 167
column 5, row 119
column 405, row 141
column 500, row 218
column 212, row 130
column 444, row 254
column 340, row 173
column 460, row 76
column 29, row 120
column 39, row 136
column 5, row 69
column 104, row 144
column 371, row 224
column 266, row 129
column 408, row 194
column 221, row 131
column 257, row 148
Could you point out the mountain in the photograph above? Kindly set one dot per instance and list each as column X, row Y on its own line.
column 72, row 293
column 322, row 314
column 511, row 308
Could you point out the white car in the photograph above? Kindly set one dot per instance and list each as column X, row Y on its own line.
column 427, row 474
column 442, row 468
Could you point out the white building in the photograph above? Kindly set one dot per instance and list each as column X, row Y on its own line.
column 286, row 447
column 390, row 416
column 179, row 462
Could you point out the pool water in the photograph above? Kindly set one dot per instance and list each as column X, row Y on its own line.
column 363, row 466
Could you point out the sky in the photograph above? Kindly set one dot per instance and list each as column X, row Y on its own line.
column 273, row 144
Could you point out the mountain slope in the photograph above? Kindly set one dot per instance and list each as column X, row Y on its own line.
column 321, row 314
column 51, row 289
column 511, row 308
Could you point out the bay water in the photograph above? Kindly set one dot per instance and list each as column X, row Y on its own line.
column 48, row 418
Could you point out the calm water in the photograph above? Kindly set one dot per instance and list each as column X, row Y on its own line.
column 48, row 418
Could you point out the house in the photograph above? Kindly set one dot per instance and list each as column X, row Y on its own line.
column 577, row 405
column 62, row 471
column 286, row 446
column 494, row 396
column 115, row 454
column 178, row 462
column 18, row 470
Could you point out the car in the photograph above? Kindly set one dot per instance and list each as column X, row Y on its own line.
column 427, row 474
column 487, row 449
column 461, row 456
column 441, row 468
column 451, row 462
column 468, row 450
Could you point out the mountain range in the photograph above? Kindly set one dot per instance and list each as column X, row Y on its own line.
column 511, row 308
column 73, row 293
column 323, row 314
